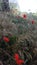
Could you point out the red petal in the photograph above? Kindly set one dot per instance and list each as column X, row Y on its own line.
column 32, row 21
column 24, row 16
column 6, row 39
column 19, row 62
column 16, row 56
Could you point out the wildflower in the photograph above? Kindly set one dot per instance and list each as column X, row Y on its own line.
column 6, row 39
column 24, row 16
column 16, row 56
column 18, row 61
column 32, row 21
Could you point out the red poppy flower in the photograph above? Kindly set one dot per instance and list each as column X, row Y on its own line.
column 32, row 21
column 19, row 62
column 16, row 56
column 24, row 16
column 6, row 39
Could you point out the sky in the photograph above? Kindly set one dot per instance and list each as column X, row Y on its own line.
column 26, row 5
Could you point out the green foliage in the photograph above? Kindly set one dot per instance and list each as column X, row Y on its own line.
column 12, row 40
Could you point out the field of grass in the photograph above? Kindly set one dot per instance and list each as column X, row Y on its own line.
column 21, row 33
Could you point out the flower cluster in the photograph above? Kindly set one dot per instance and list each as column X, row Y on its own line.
column 25, row 17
